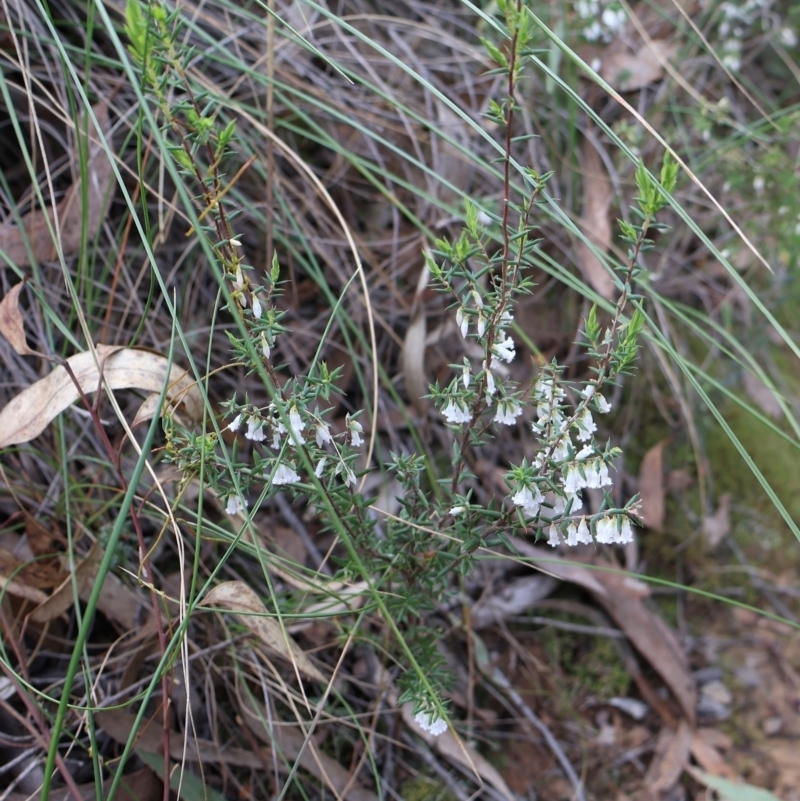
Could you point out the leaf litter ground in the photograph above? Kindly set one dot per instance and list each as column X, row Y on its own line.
column 571, row 677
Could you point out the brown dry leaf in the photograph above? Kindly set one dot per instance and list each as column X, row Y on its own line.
column 414, row 360
column 11, row 325
column 21, row 586
column 715, row 738
column 30, row 412
column 413, row 356
column 679, row 480
column 709, row 759
column 622, row 596
column 627, row 71
column 670, row 759
column 120, row 604
column 658, row 16
column 598, row 194
column 651, row 487
column 141, row 785
column 118, row 725
column 30, row 577
column 288, row 544
column 35, row 223
column 783, row 753
column 449, row 162
column 651, row 636
column 289, row 741
column 762, row 396
column 341, row 601
column 459, row 752
column 62, row 597
column 717, row 526
column 43, row 540
column 237, row 597
column 514, row 598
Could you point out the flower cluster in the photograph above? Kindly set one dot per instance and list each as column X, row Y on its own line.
column 479, row 390
column 737, row 20
column 563, row 469
column 603, row 20
column 431, row 723
column 323, row 451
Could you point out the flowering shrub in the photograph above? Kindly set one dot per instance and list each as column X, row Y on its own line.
column 412, row 558
column 739, row 19
column 602, row 20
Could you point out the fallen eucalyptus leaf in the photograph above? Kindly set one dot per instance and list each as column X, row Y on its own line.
column 29, row 413
column 62, row 597
column 460, row 753
column 36, row 224
column 191, row 786
column 623, row 596
column 670, row 759
column 717, row 526
column 732, row 791
column 413, row 359
column 628, row 71
column 238, row 598
column 651, row 487
column 764, row 397
column 414, row 346
column 595, row 223
column 11, row 323
column 118, row 725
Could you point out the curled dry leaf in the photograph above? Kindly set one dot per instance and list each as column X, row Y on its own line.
column 31, row 577
column 414, row 360
column 708, row 757
column 651, row 487
column 670, row 759
column 413, row 356
column 628, row 71
column 238, row 598
column 19, row 586
column 598, row 194
column 36, row 224
column 717, row 526
column 30, row 412
column 11, row 323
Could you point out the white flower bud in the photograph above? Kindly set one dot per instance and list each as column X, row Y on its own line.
column 234, row 505
column 456, row 412
column 284, row 474
column 431, row 723
column 323, row 433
